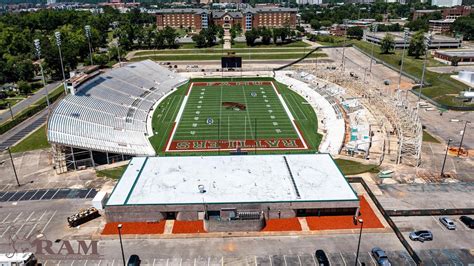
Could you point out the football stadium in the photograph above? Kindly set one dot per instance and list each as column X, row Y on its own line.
column 242, row 149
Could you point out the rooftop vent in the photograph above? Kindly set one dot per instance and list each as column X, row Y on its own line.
column 201, row 189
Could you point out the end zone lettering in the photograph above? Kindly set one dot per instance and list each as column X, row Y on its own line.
column 212, row 145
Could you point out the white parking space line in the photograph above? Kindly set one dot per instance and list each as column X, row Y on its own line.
column 34, row 194
column 314, row 259
column 343, row 260
column 6, row 187
column 270, row 258
column 46, row 225
column 284, row 259
column 90, row 190
column 154, row 261
column 44, row 194
column 463, row 225
column 299, row 259
column 31, row 231
column 6, row 230
column 55, row 194
column 372, row 258
column 18, row 216
column 12, row 196
column 6, row 218
column 439, row 223
column 41, row 217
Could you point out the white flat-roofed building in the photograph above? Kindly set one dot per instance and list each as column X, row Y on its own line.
column 438, row 41
column 193, row 188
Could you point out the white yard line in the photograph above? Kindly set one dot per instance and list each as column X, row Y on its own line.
column 178, row 117
column 248, row 114
column 290, row 116
column 46, row 225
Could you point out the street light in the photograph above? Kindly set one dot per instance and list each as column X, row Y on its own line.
column 406, row 34
column 57, row 34
column 358, row 245
column 462, row 138
column 87, row 28
column 445, row 155
column 38, row 54
column 119, row 227
column 344, row 21
column 374, row 30
column 428, row 41
column 13, row 165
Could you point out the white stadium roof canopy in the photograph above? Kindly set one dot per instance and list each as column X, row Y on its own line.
column 110, row 111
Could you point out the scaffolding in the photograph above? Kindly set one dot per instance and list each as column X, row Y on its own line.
column 392, row 111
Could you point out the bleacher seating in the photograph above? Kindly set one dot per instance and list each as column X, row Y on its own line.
column 109, row 112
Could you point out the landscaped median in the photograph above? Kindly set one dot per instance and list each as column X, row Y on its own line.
column 273, row 226
column 32, row 110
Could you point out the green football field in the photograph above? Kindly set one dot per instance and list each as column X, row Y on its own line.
column 247, row 115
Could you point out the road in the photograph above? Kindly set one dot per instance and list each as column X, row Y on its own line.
column 28, row 101
column 15, row 134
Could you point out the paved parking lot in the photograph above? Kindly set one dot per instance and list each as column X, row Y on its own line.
column 430, row 257
column 24, row 225
column 47, row 194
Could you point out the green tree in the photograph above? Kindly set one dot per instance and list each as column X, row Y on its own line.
column 169, row 35
column 276, row 34
column 251, row 36
column 417, row 44
column 315, row 24
column 266, row 35
column 465, row 26
column 387, row 44
column 24, row 87
column 199, row 40
column 355, row 32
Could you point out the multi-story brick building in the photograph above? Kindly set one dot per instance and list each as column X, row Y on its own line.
column 195, row 19
column 456, row 12
column 248, row 18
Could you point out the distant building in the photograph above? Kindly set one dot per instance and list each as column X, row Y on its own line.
column 446, row 3
column 420, row 13
column 194, row 19
column 50, row 2
column 309, row 2
column 118, row 4
column 438, row 41
column 248, row 18
column 464, row 56
column 456, row 12
column 440, row 26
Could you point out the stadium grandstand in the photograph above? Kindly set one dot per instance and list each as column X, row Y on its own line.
column 107, row 118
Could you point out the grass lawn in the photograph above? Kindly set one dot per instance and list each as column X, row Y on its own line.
column 37, row 140
column 443, row 89
column 353, row 168
column 193, row 46
column 222, row 51
column 205, row 118
column 291, row 44
column 217, row 56
column 429, row 138
column 113, row 173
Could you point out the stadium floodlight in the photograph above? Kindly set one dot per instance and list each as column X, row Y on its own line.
column 38, row 54
column 57, row 34
column 406, row 35
column 374, row 30
column 115, row 25
column 87, row 28
column 344, row 21
column 427, row 42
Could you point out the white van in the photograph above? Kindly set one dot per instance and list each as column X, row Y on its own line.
column 18, row 259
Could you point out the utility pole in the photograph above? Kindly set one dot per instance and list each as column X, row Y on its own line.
column 13, row 165
column 10, row 108
column 119, row 227
column 358, row 245
column 57, row 34
column 428, row 41
column 38, row 54
column 374, row 30
column 462, row 138
column 445, row 155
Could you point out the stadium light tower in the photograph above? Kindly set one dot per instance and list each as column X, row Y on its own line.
column 428, row 41
column 115, row 25
column 406, row 34
column 38, row 54
column 374, row 30
column 57, row 34
column 87, row 28
column 344, row 46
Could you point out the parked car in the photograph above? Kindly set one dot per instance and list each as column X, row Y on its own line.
column 380, row 256
column 134, row 260
column 321, row 258
column 422, row 235
column 467, row 221
column 448, row 223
